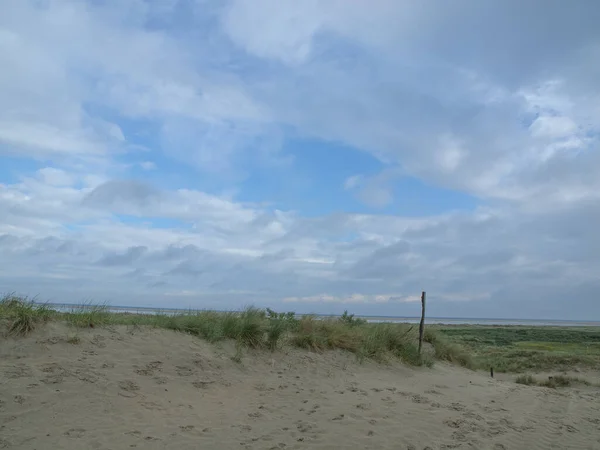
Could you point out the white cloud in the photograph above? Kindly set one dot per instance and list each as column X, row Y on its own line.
column 353, row 299
column 553, row 127
column 56, row 177
column 43, row 140
column 486, row 99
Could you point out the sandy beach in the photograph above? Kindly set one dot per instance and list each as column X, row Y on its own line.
column 128, row 387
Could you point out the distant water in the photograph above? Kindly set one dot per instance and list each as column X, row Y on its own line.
column 467, row 321
column 64, row 307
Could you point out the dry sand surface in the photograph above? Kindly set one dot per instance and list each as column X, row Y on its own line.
column 126, row 388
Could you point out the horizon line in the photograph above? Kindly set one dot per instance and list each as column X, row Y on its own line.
column 152, row 308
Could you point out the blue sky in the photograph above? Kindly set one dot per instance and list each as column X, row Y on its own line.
column 315, row 156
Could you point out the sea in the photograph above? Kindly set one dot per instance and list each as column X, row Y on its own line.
column 66, row 307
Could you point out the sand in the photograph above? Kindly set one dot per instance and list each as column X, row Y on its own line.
column 126, row 388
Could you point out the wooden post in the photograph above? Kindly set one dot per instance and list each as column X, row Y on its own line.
column 422, row 324
column 492, row 372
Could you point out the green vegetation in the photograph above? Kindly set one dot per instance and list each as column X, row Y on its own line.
column 526, row 379
column 447, row 351
column 553, row 382
column 88, row 316
column 22, row 315
column 349, row 319
column 506, row 349
column 251, row 328
column 526, row 349
column 73, row 339
column 375, row 341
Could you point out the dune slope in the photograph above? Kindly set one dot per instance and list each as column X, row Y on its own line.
column 124, row 388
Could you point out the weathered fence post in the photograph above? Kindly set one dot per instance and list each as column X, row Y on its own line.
column 422, row 324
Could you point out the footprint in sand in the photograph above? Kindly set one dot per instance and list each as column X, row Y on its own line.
column 420, row 399
column 86, row 376
column 53, row 379
column 98, row 341
column 128, row 388
column 304, row 427
column 153, row 406
column 75, row 433
column 434, row 392
column 184, row 371
column 388, row 400
column 18, row 371
column 161, row 380
column 128, row 385
column 202, row 384
column 151, row 438
column 150, row 368
column 456, row 407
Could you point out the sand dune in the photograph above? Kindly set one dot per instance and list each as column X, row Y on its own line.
column 126, row 388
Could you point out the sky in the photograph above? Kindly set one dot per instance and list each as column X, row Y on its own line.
column 313, row 156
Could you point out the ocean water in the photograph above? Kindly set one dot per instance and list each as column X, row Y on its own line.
column 64, row 307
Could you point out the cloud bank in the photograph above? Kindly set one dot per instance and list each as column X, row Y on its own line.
column 315, row 156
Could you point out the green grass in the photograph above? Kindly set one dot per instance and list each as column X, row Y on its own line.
column 506, row 349
column 88, row 316
column 521, row 349
column 250, row 328
column 527, row 380
column 448, row 351
column 553, row 382
column 22, row 315
column 73, row 339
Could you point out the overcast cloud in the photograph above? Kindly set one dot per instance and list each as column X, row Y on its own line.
column 315, row 155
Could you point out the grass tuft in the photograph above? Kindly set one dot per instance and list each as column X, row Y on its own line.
column 526, row 379
column 278, row 325
column 73, row 339
column 553, row 382
column 251, row 327
column 448, row 352
column 89, row 316
column 23, row 315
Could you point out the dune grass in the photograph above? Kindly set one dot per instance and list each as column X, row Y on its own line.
column 23, row 315
column 250, row 328
column 447, row 351
column 506, row 349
